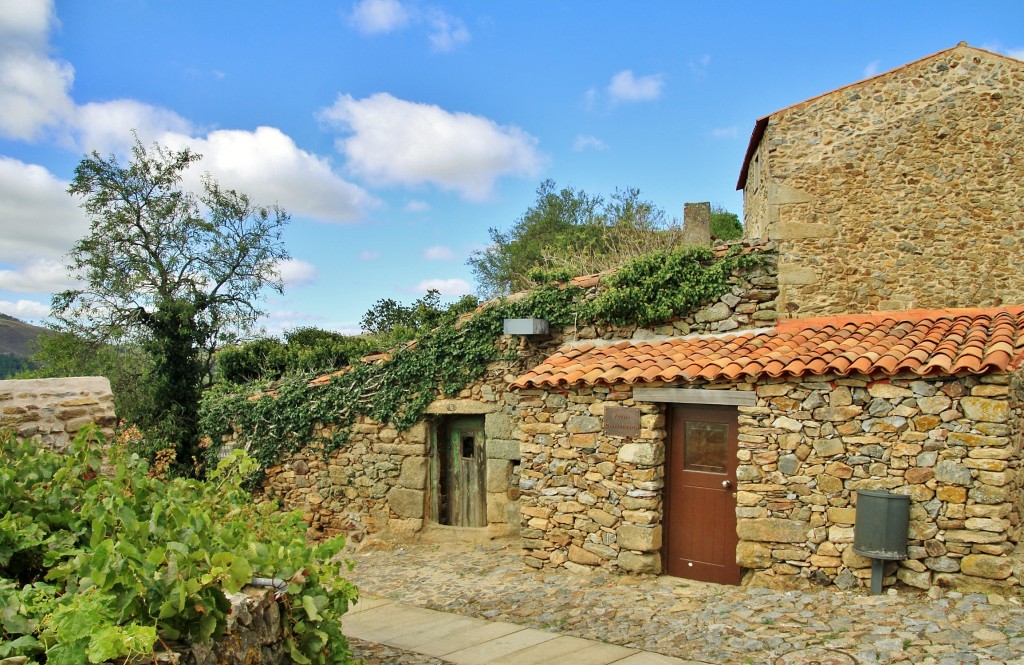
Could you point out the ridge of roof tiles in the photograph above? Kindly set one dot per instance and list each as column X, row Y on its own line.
column 922, row 342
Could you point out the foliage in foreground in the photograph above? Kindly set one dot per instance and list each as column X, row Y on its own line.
column 94, row 566
column 445, row 360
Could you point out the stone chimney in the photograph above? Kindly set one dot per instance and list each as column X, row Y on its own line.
column 697, row 224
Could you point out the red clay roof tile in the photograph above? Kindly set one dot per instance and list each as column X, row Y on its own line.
column 947, row 341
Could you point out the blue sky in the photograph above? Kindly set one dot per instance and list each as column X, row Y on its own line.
column 396, row 132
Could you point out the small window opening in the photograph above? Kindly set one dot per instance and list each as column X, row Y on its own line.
column 468, row 446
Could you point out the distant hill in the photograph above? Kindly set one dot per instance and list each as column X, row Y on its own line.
column 16, row 336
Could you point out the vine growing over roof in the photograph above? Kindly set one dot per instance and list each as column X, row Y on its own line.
column 285, row 416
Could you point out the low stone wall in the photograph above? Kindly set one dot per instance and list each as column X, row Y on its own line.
column 255, row 634
column 51, row 411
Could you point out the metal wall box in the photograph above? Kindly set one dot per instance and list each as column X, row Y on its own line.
column 525, row 327
column 883, row 519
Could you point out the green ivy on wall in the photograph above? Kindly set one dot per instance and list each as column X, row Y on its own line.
column 653, row 289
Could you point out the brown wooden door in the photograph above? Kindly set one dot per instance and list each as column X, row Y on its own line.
column 701, row 505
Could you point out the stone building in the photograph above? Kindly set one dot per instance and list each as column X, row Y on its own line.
column 880, row 348
column 746, row 450
column 897, row 192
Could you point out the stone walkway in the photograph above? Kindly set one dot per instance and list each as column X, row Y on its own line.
column 706, row 623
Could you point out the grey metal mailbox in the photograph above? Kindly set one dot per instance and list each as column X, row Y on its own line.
column 883, row 521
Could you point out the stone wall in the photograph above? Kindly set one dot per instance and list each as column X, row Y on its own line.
column 53, row 410
column 378, row 481
column 591, row 500
column 255, row 634
column 808, row 446
column 902, row 191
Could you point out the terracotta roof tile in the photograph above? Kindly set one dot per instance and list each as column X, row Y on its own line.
column 947, row 341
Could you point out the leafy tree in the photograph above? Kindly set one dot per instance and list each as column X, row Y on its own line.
column 176, row 272
column 393, row 323
column 570, row 232
column 305, row 350
column 725, row 225
column 557, row 219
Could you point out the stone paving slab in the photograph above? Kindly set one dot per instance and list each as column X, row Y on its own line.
column 464, row 639
column 490, row 651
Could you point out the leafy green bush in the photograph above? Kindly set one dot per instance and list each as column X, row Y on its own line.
column 95, row 565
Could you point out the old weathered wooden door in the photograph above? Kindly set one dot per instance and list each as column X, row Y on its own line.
column 701, row 495
column 458, row 475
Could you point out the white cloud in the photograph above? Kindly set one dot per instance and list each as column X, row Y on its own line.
column 106, row 126
column 36, row 276
column 447, row 287
column 1017, row 53
column 396, row 142
column 438, row 253
column 267, row 165
column 368, row 255
column 446, row 32
column 725, row 132
column 379, row 16
column 699, row 67
column 625, row 87
column 584, row 142
column 296, row 272
column 872, row 68
column 40, row 219
column 33, row 87
column 417, row 206
column 24, row 309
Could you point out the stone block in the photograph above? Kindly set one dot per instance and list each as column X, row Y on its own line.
column 414, row 473
column 842, row 515
column 497, row 507
column 498, row 425
column 954, row 473
column 772, row 530
column 583, row 557
column 919, row 580
column 503, row 449
column 753, row 555
column 717, row 312
column 643, row 454
column 837, row 413
column 828, row 447
column 986, row 566
column 499, row 473
column 583, row 425
column 407, row 502
column 885, row 390
column 640, row 563
column 985, row 409
column 644, row 539
column 789, row 274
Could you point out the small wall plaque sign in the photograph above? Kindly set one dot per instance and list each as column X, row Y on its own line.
column 621, row 421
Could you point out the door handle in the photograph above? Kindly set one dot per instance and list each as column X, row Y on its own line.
column 726, row 484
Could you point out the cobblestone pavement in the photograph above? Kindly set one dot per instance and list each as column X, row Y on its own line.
column 703, row 622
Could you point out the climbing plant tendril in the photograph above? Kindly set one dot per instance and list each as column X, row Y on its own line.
column 291, row 414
